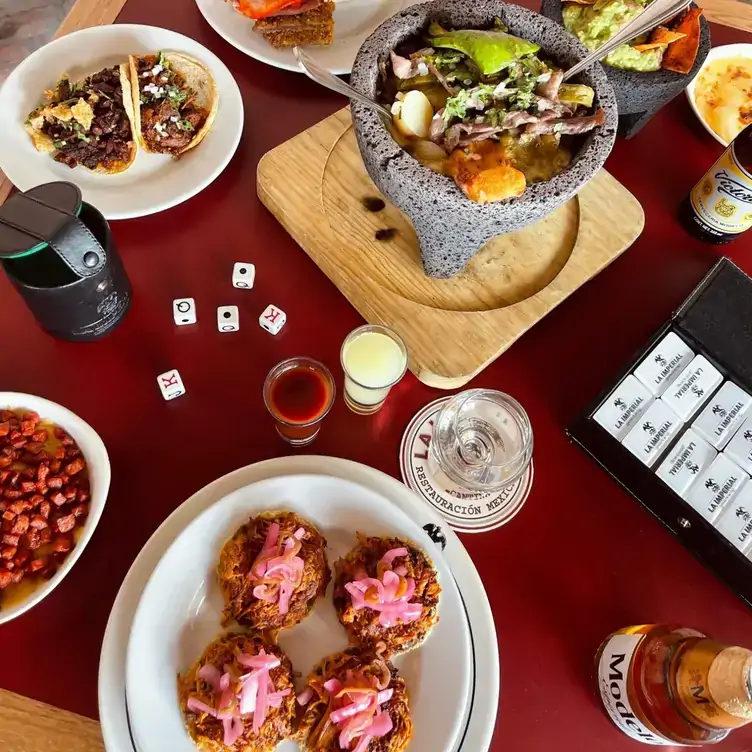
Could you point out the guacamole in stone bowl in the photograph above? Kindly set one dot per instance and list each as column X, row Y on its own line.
column 647, row 72
column 595, row 24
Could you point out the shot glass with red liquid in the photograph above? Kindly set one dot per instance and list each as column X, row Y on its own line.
column 299, row 392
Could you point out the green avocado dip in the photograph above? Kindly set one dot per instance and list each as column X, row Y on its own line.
column 595, row 24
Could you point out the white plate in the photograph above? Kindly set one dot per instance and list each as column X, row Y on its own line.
column 354, row 20
column 153, row 182
column 717, row 53
column 98, row 462
column 178, row 617
column 483, row 697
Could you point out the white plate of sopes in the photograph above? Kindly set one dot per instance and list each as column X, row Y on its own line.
column 178, row 617
column 354, row 21
column 151, row 182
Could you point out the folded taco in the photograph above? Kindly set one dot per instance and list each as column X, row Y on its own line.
column 89, row 122
column 178, row 101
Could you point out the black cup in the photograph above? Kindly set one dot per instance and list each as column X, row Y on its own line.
column 77, row 289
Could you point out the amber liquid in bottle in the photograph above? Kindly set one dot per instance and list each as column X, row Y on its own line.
column 719, row 208
column 665, row 685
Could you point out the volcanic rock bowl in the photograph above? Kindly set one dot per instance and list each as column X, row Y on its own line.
column 639, row 95
column 450, row 227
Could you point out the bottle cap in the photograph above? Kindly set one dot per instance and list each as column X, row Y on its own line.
column 730, row 682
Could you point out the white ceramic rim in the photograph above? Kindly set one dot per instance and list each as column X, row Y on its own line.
column 484, row 696
column 95, row 453
column 230, row 113
column 314, row 497
column 505, row 513
column 740, row 49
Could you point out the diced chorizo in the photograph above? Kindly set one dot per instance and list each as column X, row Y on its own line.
column 45, row 508
column 59, row 432
column 29, row 473
column 55, row 466
column 28, row 486
column 36, row 564
column 83, row 495
column 74, row 467
column 46, row 535
column 67, row 441
column 11, row 494
column 20, row 524
column 55, row 481
column 25, row 553
column 70, row 493
column 32, row 540
column 36, row 500
column 28, row 427
column 9, row 565
column 8, row 515
column 19, row 507
column 14, row 478
column 58, row 499
column 5, row 461
column 42, row 487
column 4, row 428
column 38, row 522
column 66, row 524
column 11, row 540
column 32, row 416
column 42, row 472
column 6, row 578
column 4, row 475
column 62, row 544
column 40, row 436
column 8, row 552
column 34, row 447
column 7, row 415
column 17, row 576
column 81, row 510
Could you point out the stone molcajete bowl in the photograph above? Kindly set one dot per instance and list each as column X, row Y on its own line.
column 639, row 95
column 450, row 227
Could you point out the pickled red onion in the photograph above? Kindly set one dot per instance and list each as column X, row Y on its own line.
column 357, row 711
column 251, row 693
column 278, row 570
column 393, row 609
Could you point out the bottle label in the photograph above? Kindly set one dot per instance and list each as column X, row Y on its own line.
column 723, row 198
column 613, row 676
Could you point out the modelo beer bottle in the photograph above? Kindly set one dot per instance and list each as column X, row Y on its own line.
column 719, row 208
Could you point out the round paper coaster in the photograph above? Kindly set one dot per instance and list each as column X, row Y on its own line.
column 465, row 511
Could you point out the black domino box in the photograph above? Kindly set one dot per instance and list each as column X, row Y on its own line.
column 675, row 428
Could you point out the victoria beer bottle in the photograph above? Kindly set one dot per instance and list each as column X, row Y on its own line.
column 666, row 685
column 719, row 208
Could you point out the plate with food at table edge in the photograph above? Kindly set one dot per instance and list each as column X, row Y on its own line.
column 331, row 32
column 384, row 590
column 138, row 117
column 482, row 700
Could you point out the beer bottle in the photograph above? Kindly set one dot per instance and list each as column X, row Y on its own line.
column 719, row 208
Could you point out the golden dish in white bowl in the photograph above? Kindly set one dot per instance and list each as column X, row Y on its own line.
column 721, row 93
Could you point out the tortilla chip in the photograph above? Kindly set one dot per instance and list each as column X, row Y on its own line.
column 660, row 37
column 583, row 2
column 680, row 55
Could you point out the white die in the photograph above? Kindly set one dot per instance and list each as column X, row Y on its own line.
column 170, row 384
column 243, row 275
column 228, row 318
column 272, row 319
column 184, row 311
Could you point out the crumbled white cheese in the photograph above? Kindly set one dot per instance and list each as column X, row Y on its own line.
column 543, row 78
column 468, row 82
column 174, row 118
column 145, row 74
column 157, row 69
column 422, row 68
column 164, row 79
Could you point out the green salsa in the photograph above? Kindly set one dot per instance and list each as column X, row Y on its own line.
column 595, row 24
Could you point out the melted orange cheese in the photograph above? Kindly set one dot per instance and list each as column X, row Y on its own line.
column 723, row 95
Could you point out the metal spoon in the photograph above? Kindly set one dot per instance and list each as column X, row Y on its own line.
column 322, row 76
column 654, row 14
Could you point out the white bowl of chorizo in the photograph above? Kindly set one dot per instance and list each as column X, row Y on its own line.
column 54, row 480
column 88, row 122
column 177, row 101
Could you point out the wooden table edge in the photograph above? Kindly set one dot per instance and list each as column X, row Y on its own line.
column 30, row 726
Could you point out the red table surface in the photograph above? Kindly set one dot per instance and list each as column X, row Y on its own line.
column 581, row 560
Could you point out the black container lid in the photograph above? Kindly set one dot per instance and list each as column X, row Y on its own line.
column 47, row 216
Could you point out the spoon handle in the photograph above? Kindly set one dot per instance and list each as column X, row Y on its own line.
column 322, row 76
column 656, row 13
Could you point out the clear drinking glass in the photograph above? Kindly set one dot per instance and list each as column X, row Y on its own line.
column 374, row 359
column 482, row 440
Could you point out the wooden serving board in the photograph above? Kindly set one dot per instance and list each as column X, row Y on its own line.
column 315, row 185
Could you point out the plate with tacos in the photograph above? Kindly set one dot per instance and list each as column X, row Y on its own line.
column 140, row 118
